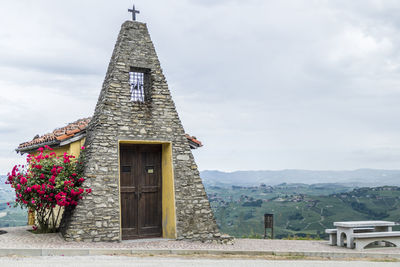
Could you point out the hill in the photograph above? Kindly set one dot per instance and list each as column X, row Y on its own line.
column 360, row 177
column 6, row 192
column 299, row 209
column 10, row 216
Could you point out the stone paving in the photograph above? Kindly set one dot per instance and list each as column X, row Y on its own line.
column 19, row 237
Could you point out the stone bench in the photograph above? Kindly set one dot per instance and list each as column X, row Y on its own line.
column 332, row 236
column 362, row 240
column 333, row 233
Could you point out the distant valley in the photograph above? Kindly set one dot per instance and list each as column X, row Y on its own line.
column 10, row 216
column 360, row 177
column 6, row 192
column 303, row 202
column 299, row 210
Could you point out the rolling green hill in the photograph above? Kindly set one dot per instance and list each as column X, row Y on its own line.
column 299, row 209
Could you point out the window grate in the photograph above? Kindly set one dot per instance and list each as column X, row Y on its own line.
column 136, row 82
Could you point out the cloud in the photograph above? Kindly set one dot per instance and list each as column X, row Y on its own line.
column 264, row 84
column 387, row 156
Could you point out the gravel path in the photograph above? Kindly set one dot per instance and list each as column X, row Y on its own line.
column 19, row 237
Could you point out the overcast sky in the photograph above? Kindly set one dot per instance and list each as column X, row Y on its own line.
column 264, row 84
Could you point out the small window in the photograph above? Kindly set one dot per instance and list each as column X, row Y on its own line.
column 139, row 84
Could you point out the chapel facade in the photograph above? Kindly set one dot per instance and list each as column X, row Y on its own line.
column 145, row 182
column 139, row 165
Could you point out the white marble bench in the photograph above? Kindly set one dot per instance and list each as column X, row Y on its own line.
column 346, row 230
column 333, row 233
column 362, row 240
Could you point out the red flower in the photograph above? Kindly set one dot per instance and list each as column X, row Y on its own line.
column 47, row 147
column 83, row 148
column 23, row 180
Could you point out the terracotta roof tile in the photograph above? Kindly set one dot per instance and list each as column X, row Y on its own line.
column 194, row 140
column 59, row 134
column 63, row 137
column 74, row 131
column 63, row 133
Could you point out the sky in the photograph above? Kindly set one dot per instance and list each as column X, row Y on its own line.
column 265, row 85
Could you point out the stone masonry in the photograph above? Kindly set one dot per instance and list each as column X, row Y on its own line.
column 96, row 218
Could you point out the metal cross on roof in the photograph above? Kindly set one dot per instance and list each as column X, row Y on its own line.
column 134, row 12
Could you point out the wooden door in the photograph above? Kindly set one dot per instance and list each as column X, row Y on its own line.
column 140, row 174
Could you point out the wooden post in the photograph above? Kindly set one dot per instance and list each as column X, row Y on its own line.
column 268, row 223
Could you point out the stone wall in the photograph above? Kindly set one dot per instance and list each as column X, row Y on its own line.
column 96, row 218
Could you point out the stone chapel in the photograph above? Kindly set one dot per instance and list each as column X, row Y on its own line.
column 145, row 182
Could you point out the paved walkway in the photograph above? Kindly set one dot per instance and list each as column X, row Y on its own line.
column 111, row 261
column 20, row 238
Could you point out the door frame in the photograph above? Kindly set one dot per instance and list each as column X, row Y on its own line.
column 167, row 184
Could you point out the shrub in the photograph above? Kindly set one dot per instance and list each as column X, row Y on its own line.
column 47, row 183
column 256, row 203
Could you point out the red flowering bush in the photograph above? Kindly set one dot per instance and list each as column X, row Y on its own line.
column 47, row 182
